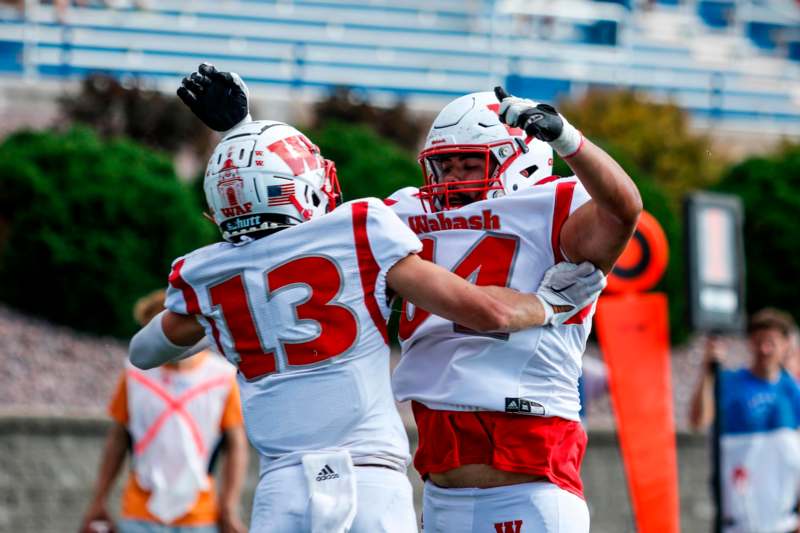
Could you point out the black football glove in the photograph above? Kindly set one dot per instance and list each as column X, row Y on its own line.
column 539, row 120
column 219, row 99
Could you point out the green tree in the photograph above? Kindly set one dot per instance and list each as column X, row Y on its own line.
column 654, row 137
column 113, row 109
column 394, row 123
column 367, row 164
column 770, row 191
column 88, row 226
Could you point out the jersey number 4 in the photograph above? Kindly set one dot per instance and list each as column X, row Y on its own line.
column 489, row 261
column 338, row 324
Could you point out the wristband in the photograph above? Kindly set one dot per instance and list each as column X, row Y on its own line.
column 247, row 119
column 569, row 142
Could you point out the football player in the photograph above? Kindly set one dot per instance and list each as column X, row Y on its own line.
column 509, row 435
column 296, row 296
column 501, row 446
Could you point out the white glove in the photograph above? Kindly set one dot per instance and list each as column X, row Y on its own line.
column 567, row 288
column 541, row 121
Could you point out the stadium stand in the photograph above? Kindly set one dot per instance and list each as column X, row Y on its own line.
column 727, row 62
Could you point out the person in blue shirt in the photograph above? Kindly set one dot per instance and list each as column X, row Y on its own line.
column 757, row 398
column 759, row 442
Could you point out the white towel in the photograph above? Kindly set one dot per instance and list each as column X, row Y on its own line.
column 332, row 491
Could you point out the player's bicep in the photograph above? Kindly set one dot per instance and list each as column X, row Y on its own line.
column 592, row 234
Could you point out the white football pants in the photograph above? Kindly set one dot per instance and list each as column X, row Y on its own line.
column 384, row 496
column 539, row 507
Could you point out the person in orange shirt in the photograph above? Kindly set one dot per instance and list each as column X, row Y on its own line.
column 173, row 419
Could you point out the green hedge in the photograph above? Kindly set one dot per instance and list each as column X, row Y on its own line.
column 88, row 226
column 655, row 137
column 367, row 164
column 770, row 191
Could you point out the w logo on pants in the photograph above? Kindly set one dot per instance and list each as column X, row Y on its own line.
column 508, row 527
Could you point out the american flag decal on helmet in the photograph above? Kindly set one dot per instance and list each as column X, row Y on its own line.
column 280, row 194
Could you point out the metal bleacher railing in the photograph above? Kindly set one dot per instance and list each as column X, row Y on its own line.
column 429, row 50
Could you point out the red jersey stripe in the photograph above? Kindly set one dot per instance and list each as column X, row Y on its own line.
column 367, row 266
column 215, row 333
column 563, row 201
column 177, row 281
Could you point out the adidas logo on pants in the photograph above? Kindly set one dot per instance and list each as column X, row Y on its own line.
column 326, row 473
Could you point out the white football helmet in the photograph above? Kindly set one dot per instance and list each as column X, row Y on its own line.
column 470, row 124
column 266, row 175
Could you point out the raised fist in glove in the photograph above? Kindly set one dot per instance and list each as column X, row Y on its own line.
column 219, row 99
column 567, row 288
column 539, row 120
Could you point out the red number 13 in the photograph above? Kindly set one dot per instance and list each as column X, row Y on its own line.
column 338, row 324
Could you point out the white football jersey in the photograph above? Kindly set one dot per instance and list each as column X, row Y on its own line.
column 302, row 313
column 509, row 241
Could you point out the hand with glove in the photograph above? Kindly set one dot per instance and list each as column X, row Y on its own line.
column 539, row 120
column 566, row 288
column 219, row 99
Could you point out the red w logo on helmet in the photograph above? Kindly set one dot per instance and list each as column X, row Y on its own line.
column 297, row 153
column 508, row 527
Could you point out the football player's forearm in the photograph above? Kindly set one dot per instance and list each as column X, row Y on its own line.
column 443, row 293
column 477, row 309
column 520, row 310
column 607, row 183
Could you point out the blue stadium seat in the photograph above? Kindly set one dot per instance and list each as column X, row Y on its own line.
column 11, row 56
column 793, row 50
column 602, row 32
column 717, row 14
column 426, row 49
column 623, row 3
column 540, row 89
column 763, row 34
